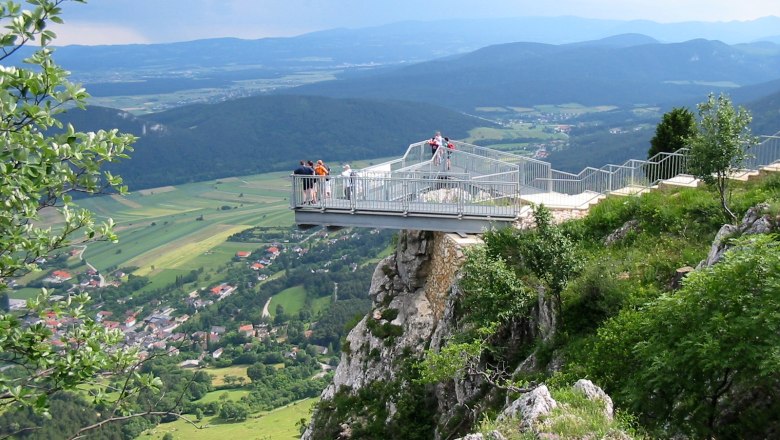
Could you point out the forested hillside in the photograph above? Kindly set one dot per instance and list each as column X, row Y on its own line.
column 267, row 133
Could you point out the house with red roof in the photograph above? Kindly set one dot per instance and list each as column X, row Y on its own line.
column 257, row 266
column 248, row 330
column 243, row 254
column 222, row 290
column 273, row 250
column 61, row 275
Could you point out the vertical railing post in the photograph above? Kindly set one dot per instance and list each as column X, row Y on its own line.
column 406, row 195
column 549, row 179
column 294, row 195
column 461, row 196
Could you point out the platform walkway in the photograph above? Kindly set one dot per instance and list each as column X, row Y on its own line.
column 473, row 188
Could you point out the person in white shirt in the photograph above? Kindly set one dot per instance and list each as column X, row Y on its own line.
column 348, row 175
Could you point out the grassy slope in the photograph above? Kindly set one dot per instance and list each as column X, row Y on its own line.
column 278, row 424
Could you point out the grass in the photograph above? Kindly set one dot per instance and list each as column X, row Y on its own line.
column 24, row 293
column 291, row 299
column 218, row 374
column 232, row 395
column 320, row 304
column 278, row 424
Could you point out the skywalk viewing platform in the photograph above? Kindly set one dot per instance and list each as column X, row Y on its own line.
column 470, row 189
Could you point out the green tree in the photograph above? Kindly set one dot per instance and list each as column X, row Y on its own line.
column 720, row 145
column 673, row 132
column 704, row 360
column 42, row 163
column 234, row 411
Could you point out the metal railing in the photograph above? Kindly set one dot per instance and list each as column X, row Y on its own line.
column 473, row 180
column 365, row 192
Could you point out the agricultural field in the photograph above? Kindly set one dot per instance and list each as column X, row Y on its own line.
column 169, row 230
column 279, row 424
column 233, row 395
column 144, row 104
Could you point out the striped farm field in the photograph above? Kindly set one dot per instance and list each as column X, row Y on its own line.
column 178, row 228
column 176, row 253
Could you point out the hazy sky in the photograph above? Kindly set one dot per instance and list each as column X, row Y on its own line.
column 158, row 21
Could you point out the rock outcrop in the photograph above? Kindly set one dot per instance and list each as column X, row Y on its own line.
column 757, row 220
column 409, row 290
column 414, row 294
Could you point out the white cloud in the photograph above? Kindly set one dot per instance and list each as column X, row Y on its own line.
column 88, row 33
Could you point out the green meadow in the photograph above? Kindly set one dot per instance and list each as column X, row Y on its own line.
column 279, row 424
column 293, row 299
column 218, row 374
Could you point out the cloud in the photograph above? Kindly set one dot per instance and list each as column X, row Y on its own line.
column 145, row 21
column 90, row 33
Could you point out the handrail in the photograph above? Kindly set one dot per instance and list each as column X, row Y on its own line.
column 474, row 180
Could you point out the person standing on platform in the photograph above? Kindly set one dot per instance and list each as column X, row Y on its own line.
column 321, row 171
column 304, row 182
column 347, row 175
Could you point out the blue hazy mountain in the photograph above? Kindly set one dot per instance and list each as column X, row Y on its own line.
column 620, row 70
column 403, row 42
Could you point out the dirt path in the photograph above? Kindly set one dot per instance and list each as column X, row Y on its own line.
column 265, row 308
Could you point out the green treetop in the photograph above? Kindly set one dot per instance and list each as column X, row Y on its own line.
column 42, row 164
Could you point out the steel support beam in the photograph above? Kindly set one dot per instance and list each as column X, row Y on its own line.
column 381, row 220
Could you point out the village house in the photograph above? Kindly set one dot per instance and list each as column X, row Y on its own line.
column 190, row 363
column 218, row 330
column 223, row 290
column 243, row 254
column 247, row 330
column 60, row 276
column 319, row 349
column 111, row 325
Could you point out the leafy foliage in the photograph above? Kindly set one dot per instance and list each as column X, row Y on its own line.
column 544, row 252
column 42, row 171
column 492, row 291
column 695, row 356
column 721, row 144
column 673, row 132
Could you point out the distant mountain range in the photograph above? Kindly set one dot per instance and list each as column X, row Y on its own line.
column 396, row 43
column 622, row 70
column 376, row 111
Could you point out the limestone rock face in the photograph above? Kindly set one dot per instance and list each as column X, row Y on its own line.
column 529, row 407
column 756, row 221
column 409, row 291
column 414, row 293
column 592, row 392
column 397, row 285
column 622, row 232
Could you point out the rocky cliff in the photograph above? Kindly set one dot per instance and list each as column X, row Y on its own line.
column 377, row 391
column 414, row 293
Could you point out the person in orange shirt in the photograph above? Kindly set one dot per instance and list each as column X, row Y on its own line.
column 322, row 171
